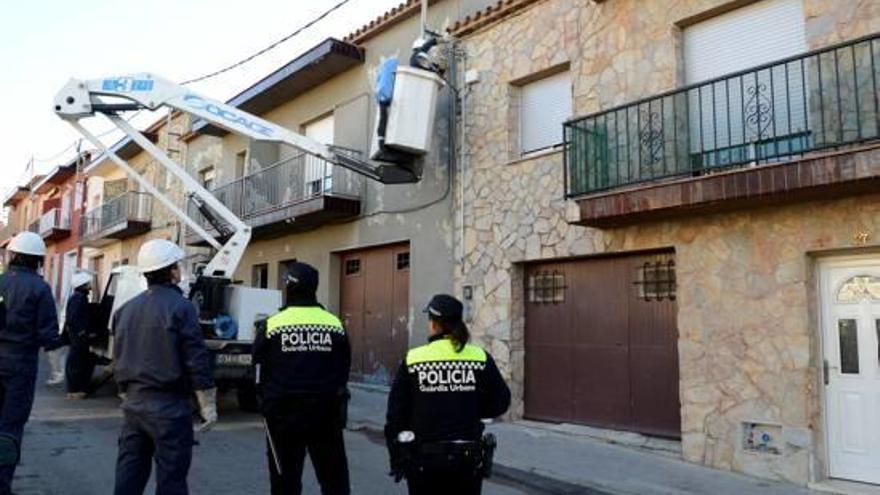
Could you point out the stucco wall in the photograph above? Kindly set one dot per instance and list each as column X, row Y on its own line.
column 747, row 344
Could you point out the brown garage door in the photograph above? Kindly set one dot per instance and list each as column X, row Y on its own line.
column 601, row 343
column 375, row 307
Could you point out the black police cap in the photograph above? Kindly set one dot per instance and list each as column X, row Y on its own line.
column 444, row 307
column 302, row 276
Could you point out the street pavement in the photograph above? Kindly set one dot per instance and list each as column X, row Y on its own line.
column 70, row 449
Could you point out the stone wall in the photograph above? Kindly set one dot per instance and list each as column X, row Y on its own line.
column 747, row 342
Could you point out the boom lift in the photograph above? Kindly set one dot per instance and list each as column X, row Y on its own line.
column 214, row 291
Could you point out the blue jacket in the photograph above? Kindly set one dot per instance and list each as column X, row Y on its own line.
column 158, row 349
column 78, row 317
column 28, row 319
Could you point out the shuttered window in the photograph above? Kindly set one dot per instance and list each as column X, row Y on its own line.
column 759, row 33
column 545, row 105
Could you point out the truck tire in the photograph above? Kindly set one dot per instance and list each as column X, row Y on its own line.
column 247, row 398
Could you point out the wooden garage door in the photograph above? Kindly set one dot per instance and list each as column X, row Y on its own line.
column 601, row 343
column 375, row 308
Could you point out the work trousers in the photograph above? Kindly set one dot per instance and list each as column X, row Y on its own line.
column 80, row 367
column 294, row 435
column 146, row 437
column 445, row 482
column 17, row 382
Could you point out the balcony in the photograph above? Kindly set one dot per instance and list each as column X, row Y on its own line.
column 54, row 225
column 122, row 217
column 296, row 194
column 807, row 127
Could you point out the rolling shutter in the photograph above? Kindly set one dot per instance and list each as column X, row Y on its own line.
column 763, row 32
column 545, row 105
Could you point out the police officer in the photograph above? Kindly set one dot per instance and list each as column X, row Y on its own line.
column 28, row 321
column 78, row 322
column 303, row 361
column 161, row 359
column 441, row 393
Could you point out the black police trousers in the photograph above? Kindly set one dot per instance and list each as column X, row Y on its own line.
column 445, row 482
column 79, row 367
column 316, row 430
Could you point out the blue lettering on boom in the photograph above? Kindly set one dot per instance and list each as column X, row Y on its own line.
column 199, row 103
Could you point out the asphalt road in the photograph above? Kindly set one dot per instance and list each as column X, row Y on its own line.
column 70, row 449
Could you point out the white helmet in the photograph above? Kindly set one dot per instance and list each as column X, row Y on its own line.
column 157, row 254
column 27, row 243
column 80, row 279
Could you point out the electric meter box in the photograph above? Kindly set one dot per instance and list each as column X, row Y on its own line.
column 411, row 115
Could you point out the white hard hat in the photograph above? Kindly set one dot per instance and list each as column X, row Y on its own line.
column 27, row 243
column 157, row 254
column 80, row 278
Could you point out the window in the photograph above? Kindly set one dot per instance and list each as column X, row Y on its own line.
column 403, row 261
column 849, row 346
column 544, row 105
column 656, row 280
column 207, row 177
column 763, row 31
column 546, row 287
column 352, row 267
column 859, row 288
column 735, row 119
column 260, row 276
column 318, row 172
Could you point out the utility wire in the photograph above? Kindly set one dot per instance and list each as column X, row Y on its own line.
column 268, row 48
column 216, row 73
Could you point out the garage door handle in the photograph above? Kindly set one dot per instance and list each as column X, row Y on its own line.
column 619, row 344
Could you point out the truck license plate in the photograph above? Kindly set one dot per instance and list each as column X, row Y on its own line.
column 234, row 359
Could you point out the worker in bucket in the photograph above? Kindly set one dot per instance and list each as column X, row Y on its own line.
column 78, row 323
column 161, row 359
column 28, row 321
column 440, row 398
column 303, row 359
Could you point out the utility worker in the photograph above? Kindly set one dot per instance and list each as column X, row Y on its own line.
column 78, row 323
column 161, row 359
column 441, row 394
column 303, row 360
column 28, row 321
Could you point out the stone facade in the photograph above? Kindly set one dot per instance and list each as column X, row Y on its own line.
column 748, row 328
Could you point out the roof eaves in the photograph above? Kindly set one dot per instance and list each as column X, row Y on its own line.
column 490, row 15
column 329, row 58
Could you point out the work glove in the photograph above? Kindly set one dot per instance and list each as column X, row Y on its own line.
column 400, row 455
column 207, row 408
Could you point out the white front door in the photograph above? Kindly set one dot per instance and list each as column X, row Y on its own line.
column 851, row 327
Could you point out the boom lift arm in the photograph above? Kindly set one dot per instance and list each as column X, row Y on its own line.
column 79, row 99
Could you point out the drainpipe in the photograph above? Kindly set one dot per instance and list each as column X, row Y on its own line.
column 462, row 157
column 424, row 19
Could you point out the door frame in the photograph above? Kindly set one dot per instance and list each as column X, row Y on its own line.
column 822, row 264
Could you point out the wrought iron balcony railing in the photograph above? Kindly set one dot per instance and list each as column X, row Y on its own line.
column 287, row 182
column 115, row 214
column 823, row 99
